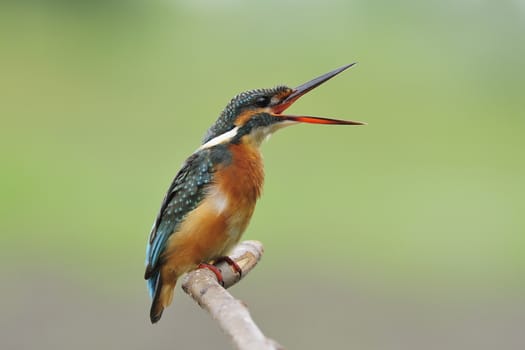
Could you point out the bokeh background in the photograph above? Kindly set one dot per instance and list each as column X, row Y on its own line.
column 404, row 234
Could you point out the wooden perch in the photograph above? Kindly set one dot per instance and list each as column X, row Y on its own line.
column 233, row 316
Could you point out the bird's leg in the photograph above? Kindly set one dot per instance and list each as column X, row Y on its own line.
column 230, row 262
column 213, row 269
column 236, row 268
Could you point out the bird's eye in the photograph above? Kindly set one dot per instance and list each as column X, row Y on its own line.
column 263, row 101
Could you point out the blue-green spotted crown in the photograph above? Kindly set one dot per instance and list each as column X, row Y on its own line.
column 243, row 101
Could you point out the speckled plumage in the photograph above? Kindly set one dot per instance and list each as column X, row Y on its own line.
column 184, row 194
column 232, row 110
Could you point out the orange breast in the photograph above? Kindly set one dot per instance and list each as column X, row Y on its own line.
column 217, row 224
column 243, row 178
column 241, row 182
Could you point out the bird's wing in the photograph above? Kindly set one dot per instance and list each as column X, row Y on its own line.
column 184, row 194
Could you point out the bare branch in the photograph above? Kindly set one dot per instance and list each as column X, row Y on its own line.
column 231, row 314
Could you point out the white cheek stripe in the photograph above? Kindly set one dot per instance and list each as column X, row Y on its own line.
column 227, row 136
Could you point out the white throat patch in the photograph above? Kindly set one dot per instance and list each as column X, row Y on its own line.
column 263, row 133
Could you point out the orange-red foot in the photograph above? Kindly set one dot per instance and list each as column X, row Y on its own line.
column 213, row 269
column 230, row 262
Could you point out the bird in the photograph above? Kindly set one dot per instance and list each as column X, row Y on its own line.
column 212, row 198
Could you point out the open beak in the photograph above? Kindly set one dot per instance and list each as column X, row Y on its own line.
column 303, row 89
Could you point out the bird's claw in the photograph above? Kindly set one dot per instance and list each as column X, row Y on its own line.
column 213, row 269
column 230, row 262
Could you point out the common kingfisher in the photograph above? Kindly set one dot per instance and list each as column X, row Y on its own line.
column 212, row 198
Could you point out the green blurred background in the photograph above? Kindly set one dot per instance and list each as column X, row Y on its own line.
column 404, row 234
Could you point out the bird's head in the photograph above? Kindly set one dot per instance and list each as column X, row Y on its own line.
column 252, row 116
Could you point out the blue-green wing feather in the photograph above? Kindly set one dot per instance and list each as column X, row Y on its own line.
column 184, row 194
